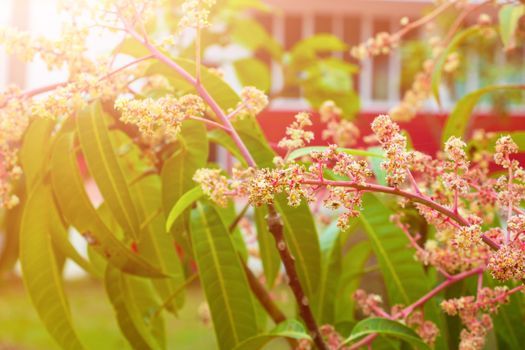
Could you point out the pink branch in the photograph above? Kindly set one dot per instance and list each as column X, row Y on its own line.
column 409, row 195
column 453, row 279
column 201, row 90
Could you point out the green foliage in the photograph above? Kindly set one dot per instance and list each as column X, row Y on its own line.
column 457, row 121
column 223, row 279
column 404, row 280
column 301, row 152
column 105, row 169
column 253, row 72
column 134, row 304
column 509, row 16
column 291, row 329
column 437, row 72
column 41, row 271
column 387, row 327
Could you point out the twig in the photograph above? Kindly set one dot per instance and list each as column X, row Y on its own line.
column 275, row 226
column 409, row 195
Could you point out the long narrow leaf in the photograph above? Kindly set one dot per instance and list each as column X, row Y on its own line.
column 184, row 202
column 104, row 167
column 134, row 320
column 76, row 207
column 223, row 279
column 387, row 327
column 291, row 329
column 41, row 272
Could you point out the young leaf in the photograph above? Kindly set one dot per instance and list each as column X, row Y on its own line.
column 509, row 16
column 104, row 167
column 458, row 120
column 178, row 170
column 77, row 209
column 438, row 68
column 291, row 329
column 41, row 272
column 134, row 306
column 387, row 327
column 223, row 278
column 184, row 202
column 298, row 153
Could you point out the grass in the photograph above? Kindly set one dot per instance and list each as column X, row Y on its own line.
column 21, row 329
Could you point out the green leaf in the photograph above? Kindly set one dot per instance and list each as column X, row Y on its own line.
column 375, row 165
column 457, row 121
column 78, row 211
column 219, row 90
column 252, row 35
column 184, row 202
column 405, row 279
column 307, row 49
column 131, row 47
column 35, row 150
column 178, row 170
column 156, row 245
column 301, row 236
column 62, row 243
column 221, row 138
column 438, row 67
column 509, row 16
column 223, row 278
column 134, row 306
column 331, row 270
column 253, row 72
column 11, row 232
column 269, row 255
column 41, row 272
column 291, row 329
column 387, row 327
column 104, row 167
column 353, row 266
column 301, row 152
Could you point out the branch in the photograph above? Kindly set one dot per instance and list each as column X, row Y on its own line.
column 201, row 90
column 368, row 187
column 275, row 226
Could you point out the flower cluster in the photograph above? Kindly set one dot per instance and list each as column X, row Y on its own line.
column 253, row 101
column 427, row 330
column 160, row 118
column 296, row 136
column 195, row 13
column 381, row 44
column 68, row 51
column 508, row 263
column 394, row 144
column 14, row 118
column 475, row 314
column 343, row 132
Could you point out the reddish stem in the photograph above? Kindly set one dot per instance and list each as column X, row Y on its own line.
column 409, row 195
